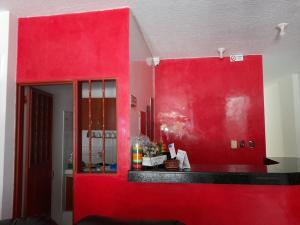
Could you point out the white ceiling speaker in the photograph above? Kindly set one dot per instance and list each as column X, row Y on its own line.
column 221, row 52
column 282, row 28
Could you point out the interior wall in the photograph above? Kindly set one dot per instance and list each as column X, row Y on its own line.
column 282, row 110
column 296, row 89
column 206, row 103
column 113, row 195
column 141, row 75
column 62, row 101
column 82, row 46
column 72, row 47
column 282, row 99
column 68, row 146
column 4, row 30
column 8, row 54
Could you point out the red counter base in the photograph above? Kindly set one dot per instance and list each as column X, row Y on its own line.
column 193, row 204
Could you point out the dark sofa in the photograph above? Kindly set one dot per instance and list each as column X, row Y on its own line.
column 29, row 221
column 99, row 220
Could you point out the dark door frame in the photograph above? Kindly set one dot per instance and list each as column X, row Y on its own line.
column 18, row 176
column 19, row 138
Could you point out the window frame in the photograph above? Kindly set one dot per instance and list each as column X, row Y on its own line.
column 77, row 150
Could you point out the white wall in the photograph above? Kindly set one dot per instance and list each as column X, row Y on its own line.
column 141, row 75
column 62, row 101
column 296, row 90
column 8, row 54
column 282, row 99
column 281, row 118
column 4, row 24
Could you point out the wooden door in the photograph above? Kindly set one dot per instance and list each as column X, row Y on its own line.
column 38, row 152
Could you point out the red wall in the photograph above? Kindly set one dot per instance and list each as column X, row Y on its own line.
column 50, row 50
column 80, row 46
column 207, row 102
column 193, row 204
column 75, row 46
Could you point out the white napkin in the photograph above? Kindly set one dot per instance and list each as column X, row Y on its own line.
column 183, row 159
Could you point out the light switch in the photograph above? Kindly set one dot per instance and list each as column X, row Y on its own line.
column 233, row 144
column 251, row 144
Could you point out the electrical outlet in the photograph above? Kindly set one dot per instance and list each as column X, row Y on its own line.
column 251, row 144
column 233, row 144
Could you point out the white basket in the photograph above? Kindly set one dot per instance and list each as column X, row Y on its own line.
column 154, row 161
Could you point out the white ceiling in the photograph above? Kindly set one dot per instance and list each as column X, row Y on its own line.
column 191, row 28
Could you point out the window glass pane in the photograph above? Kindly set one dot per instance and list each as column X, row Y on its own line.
column 97, row 127
column 110, row 122
column 84, row 126
column 85, row 90
column 110, row 89
column 97, row 89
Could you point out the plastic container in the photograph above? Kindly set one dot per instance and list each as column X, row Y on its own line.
column 137, row 157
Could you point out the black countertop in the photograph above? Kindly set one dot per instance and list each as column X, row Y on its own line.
column 278, row 171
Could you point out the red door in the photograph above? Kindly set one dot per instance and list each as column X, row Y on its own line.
column 38, row 153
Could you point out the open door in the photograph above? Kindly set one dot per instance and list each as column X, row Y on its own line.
column 38, row 162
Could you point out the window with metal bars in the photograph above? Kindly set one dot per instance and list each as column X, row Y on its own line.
column 97, row 133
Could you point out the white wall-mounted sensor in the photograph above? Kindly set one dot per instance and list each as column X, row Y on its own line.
column 236, row 58
column 282, row 28
column 221, row 52
column 156, row 61
column 149, row 61
column 153, row 61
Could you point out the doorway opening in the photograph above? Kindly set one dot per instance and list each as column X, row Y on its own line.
column 44, row 152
